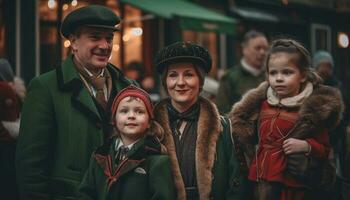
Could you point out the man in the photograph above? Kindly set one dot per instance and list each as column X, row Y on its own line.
column 9, row 128
column 65, row 114
column 324, row 64
column 246, row 75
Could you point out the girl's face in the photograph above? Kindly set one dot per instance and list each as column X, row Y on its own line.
column 131, row 119
column 284, row 76
column 182, row 83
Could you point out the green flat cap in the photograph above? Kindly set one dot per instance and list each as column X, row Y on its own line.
column 93, row 15
column 183, row 52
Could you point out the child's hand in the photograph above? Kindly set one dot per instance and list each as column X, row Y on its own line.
column 293, row 145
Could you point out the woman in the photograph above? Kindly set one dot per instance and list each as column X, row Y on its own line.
column 203, row 158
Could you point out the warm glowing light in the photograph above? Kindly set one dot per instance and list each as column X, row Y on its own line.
column 65, row 6
column 343, row 40
column 74, row 3
column 51, row 4
column 66, row 43
column 285, row 2
column 116, row 47
column 136, row 31
column 126, row 38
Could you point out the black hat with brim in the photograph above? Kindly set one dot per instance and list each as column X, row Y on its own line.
column 183, row 52
column 92, row 16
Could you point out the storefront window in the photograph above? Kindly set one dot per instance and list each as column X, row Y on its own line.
column 207, row 40
column 132, row 37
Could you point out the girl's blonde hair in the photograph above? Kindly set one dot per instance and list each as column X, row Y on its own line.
column 303, row 60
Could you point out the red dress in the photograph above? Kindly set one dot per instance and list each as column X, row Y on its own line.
column 275, row 125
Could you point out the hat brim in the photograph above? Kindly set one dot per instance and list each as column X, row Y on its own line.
column 192, row 59
column 66, row 33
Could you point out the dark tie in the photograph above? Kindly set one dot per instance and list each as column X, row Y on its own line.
column 121, row 153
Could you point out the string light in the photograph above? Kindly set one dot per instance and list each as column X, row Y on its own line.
column 51, row 4
column 343, row 40
column 65, row 6
column 66, row 43
column 74, row 3
column 136, row 31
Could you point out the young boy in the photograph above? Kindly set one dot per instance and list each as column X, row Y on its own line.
column 131, row 165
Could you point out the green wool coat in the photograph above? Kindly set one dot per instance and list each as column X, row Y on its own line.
column 235, row 82
column 221, row 169
column 144, row 175
column 60, row 128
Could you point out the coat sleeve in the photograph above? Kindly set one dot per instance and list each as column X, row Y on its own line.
column 223, row 99
column 160, row 179
column 320, row 146
column 34, row 147
column 238, row 184
column 88, row 187
column 227, row 94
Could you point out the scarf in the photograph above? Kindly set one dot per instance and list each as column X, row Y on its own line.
column 294, row 101
column 185, row 142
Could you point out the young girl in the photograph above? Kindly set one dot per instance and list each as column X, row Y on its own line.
column 287, row 115
column 131, row 166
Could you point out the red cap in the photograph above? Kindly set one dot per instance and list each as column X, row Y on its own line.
column 132, row 91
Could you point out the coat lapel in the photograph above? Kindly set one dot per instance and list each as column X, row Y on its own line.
column 69, row 81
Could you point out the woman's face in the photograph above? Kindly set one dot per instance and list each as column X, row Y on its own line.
column 183, row 85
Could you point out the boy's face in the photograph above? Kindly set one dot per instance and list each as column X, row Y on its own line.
column 284, row 76
column 131, row 119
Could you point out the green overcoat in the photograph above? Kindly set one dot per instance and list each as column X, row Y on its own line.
column 60, row 128
column 221, row 169
column 144, row 175
column 235, row 82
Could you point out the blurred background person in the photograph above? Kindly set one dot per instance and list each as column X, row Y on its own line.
column 134, row 71
column 210, row 88
column 10, row 105
column 247, row 74
column 149, row 84
column 324, row 65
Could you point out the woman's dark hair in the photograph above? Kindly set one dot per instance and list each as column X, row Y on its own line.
column 303, row 59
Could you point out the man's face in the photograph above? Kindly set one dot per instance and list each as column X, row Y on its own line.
column 324, row 69
column 92, row 47
column 254, row 51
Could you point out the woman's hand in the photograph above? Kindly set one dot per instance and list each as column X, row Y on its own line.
column 293, row 145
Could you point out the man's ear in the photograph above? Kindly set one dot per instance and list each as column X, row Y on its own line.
column 72, row 39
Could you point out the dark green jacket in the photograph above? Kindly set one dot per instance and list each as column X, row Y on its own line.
column 235, row 82
column 144, row 175
column 60, row 128
column 221, row 170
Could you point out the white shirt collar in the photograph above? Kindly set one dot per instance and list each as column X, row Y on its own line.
column 252, row 70
column 90, row 74
column 119, row 143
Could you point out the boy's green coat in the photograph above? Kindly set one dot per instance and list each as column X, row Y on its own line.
column 144, row 175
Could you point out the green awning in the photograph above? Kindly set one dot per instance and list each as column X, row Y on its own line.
column 191, row 16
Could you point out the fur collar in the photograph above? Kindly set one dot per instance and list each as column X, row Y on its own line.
column 209, row 129
column 322, row 109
